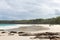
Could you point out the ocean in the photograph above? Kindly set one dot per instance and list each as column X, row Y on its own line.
column 3, row 25
column 8, row 26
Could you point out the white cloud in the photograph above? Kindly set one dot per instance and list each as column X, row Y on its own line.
column 4, row 5
column 27, row 9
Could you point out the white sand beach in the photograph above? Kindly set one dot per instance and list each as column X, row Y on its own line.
column 52, row 28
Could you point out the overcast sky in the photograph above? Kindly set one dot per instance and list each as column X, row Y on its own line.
column 28, row 9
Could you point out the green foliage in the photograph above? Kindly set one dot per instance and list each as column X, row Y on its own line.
column 33, row 21
column 57, row 20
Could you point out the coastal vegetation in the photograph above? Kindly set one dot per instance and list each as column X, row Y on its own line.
column 55, row 20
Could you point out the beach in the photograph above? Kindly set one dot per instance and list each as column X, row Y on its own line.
column 35, row 28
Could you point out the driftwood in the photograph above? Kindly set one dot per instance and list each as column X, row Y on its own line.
column 20, row 32
column 25, row 34
column 13, row 32
column 47, row 35
column 3, row 32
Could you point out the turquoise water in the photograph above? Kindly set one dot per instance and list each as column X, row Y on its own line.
column 7, row 24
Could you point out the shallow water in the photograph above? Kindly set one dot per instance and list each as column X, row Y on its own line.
column 7, row 25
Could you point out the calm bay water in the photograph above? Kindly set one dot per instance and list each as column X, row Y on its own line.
column 7, row 24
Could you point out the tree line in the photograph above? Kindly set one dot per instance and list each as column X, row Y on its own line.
column 55, row 20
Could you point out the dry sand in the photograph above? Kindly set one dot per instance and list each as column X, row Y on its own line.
column 53, row 28
column 16, row 37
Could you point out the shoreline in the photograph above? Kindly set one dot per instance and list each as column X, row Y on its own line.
column 18, row 27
